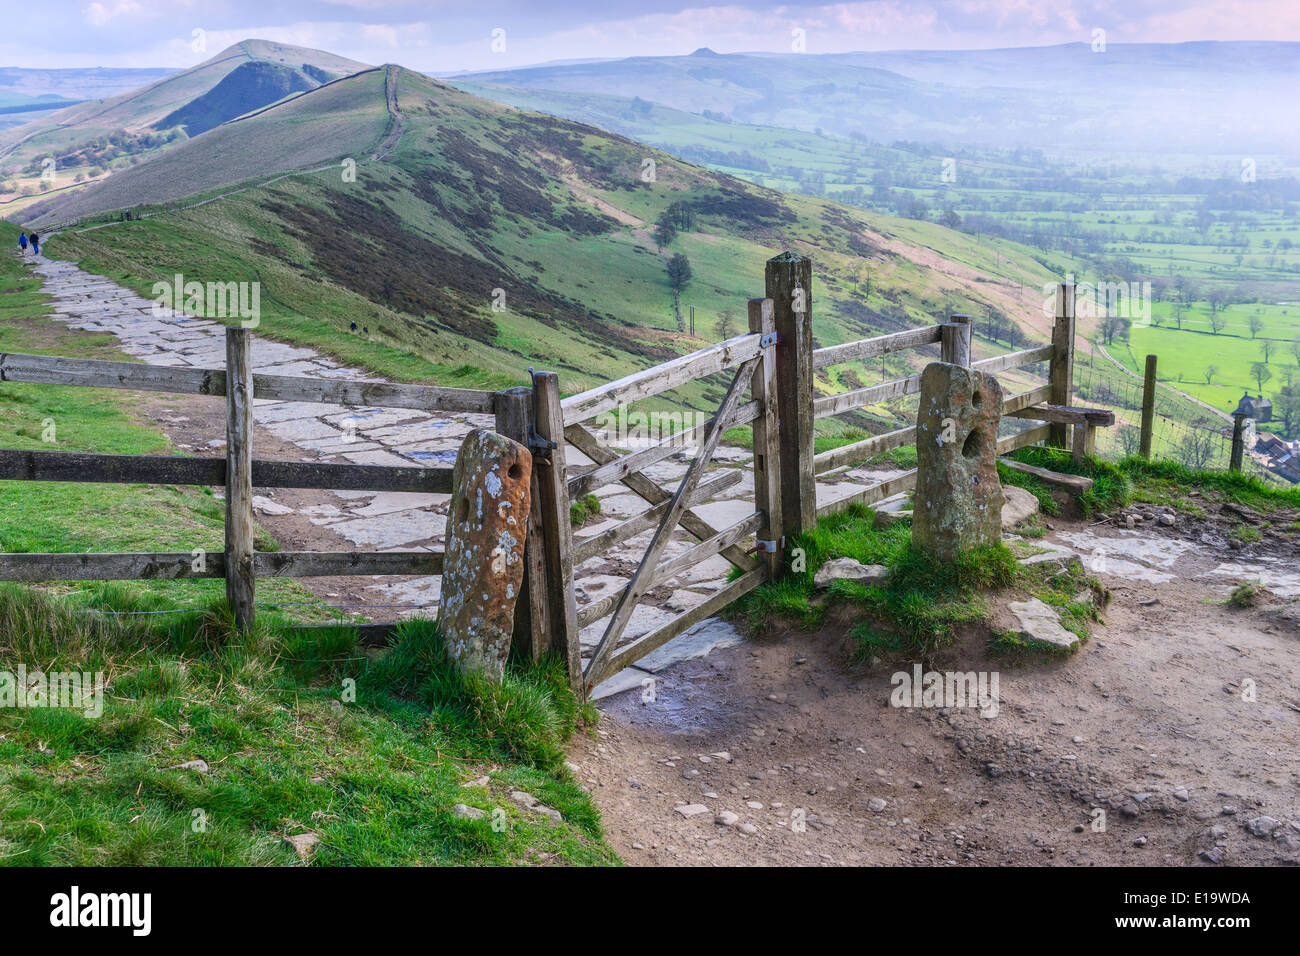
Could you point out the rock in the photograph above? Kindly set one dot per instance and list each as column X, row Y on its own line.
column 726, row 818
column 692, row 810
column 304, row 844
column 467, row 813
column 476, row 782
column 877, row 804
column 887, row 519
column 1263, row 826
column 529, row 802
column 957, row 504
column 1211, row 856
column 483, row 569
column 1180, row 793
column 748, row 828
column 1167, row 520
column 849, row 569
column 1017, row 505
column 198, row 766
column 1130, row 522
column 1039, row 622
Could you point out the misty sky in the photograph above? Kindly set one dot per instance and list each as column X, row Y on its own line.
column 441, row 36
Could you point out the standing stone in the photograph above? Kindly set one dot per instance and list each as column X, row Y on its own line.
column 957, row 505
column 483, row 569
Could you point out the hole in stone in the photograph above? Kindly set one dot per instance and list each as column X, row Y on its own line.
column 463, row 510
column 976, row 399
column 515, row 471
column 971, row 448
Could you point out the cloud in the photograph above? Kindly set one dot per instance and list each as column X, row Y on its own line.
column 98, row 14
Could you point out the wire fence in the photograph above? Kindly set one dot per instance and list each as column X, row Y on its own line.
column 1183, row 429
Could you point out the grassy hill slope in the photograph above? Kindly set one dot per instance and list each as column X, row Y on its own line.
column 487, row 239
column 134, row 114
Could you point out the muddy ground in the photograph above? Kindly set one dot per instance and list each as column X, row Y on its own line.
column 798, row 757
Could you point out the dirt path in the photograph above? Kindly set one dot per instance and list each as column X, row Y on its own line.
column 1145, row 722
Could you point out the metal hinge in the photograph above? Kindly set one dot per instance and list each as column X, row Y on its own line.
column 536, row 443
column 768, row 340
column 767, row 547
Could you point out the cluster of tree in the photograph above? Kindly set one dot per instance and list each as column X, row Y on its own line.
column 996, row 327
column 678, row 217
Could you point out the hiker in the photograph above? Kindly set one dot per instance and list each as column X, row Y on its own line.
column 22, row 242
column 35, row 240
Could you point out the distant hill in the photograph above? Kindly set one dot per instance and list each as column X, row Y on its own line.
column 138, row 113
column 76, row 83
column 247, row 87
column 485, row 239
column 1191, row 97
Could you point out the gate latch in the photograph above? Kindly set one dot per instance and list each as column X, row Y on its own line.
column 766, row 546
column 768, row 340
column 536, row 443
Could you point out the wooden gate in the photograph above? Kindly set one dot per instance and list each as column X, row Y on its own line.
column 752, row 357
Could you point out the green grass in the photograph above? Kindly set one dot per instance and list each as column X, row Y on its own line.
column 1167, row 478
column 301, row 733
column 583, row 510
column 1111, row 487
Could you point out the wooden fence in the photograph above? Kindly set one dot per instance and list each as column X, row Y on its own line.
column 771, row 390
column 239, row 563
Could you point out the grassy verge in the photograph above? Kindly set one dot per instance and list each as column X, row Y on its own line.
column 923, row 602
column 299, row 734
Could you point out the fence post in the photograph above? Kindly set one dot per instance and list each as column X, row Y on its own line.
column 239, row 476
column 767, row 440
column 1148, row 407
column 1061, row 375
column 954, row 346
column 557, row 532
column 1238, row 441
column 532, row 632
column 789, row 286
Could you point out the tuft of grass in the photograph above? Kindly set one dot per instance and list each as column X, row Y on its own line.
column 583, row 510
column 1246, row 594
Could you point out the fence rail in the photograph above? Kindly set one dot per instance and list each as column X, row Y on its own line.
column 239, row 472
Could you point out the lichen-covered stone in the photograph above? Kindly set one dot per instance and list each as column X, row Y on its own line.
column 958, row 500
column 483, row 568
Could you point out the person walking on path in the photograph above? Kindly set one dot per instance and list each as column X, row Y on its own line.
column 22, row 242
column 36, row 244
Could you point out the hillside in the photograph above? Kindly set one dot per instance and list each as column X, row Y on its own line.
column 125, row 128
column 471, row 197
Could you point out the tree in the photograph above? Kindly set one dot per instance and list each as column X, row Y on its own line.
column 1295, row 350
column 1287, row 410
column 1210, row 372
column 1112, row 326
column 1217, row 320
column 1266, row 349
column 665, row 232
column 1130, row 439
column 1196, row 449
column 1256, row 323
column 1261, row 374
column 726, row 323
column 679, row 274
